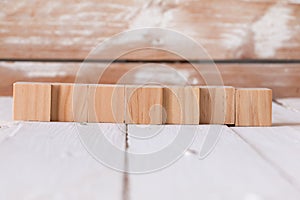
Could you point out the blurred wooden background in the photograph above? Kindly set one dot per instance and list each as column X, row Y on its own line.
column 254, row 43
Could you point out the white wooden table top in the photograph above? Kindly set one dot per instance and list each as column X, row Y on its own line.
column 48, row 161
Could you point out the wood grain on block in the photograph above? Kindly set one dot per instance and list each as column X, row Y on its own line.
column 217, row 105
column 181, row 105
column 253, row 107
column 143, row 104
column 106, row 103
column 32, row 101
column 68, row 102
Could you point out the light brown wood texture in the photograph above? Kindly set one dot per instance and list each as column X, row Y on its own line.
column 217, row 105
column 32, row 101
column 237, row 75
column 181, row 105
column 70, row 29
column 69, row 103
column 143, row 104
column 106, row 103
column 253, row 107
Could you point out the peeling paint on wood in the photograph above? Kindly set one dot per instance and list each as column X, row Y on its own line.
column 227, row 29
column 237, row 75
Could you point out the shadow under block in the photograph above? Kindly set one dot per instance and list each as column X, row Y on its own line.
column 69, row 103
column 143, row 104
column 253, row 107
column 32, row 101
column 106, row 103
column 217, row 105
column 181, row 105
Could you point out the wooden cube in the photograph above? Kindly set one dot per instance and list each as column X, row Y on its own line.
column 217, row 105
column 181, row 105
column 253, row 107
column 32, row 101
column 143, row 104
column 69, row 102
column 106, row 103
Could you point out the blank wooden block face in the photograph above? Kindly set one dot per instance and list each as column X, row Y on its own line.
column 217, row 105
column 181, row 105
column 32, row 101
column 106, row 103
column 69, row 103
column 143, row 105
column 253, row 107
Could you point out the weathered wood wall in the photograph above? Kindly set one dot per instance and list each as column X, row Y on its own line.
column 265, row 34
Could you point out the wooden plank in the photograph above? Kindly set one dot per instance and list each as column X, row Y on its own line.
column 252, row 172
column 232, row 163
column 290, row 103
column 253, row 107
column 181, row 104
column 106, row 103
column 217, row 105
column 284, row 117
column 69, row 102
column 143, row 104
column 32, row 101
column 48, row 160
column 6, row 104
column 70, row 29
column 279, row 145
column 237, row 75
column 34, row 72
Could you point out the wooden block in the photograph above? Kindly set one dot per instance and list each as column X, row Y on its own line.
column 106, row 103
column 253, row 107
column 32, row 101
column 181, row 105
column 143, row 104
column 217, row 105
column 69, row 102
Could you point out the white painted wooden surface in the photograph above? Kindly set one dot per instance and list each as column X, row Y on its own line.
column 48, row 161
column 279, row 145
column 290, row 103
column 283, row 116
column 6, row 109
column 232, row 171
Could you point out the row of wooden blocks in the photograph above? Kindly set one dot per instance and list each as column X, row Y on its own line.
column 142, row 104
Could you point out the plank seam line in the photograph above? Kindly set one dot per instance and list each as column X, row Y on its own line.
column 125, row 181
column 281, row 171
column 204, row 61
